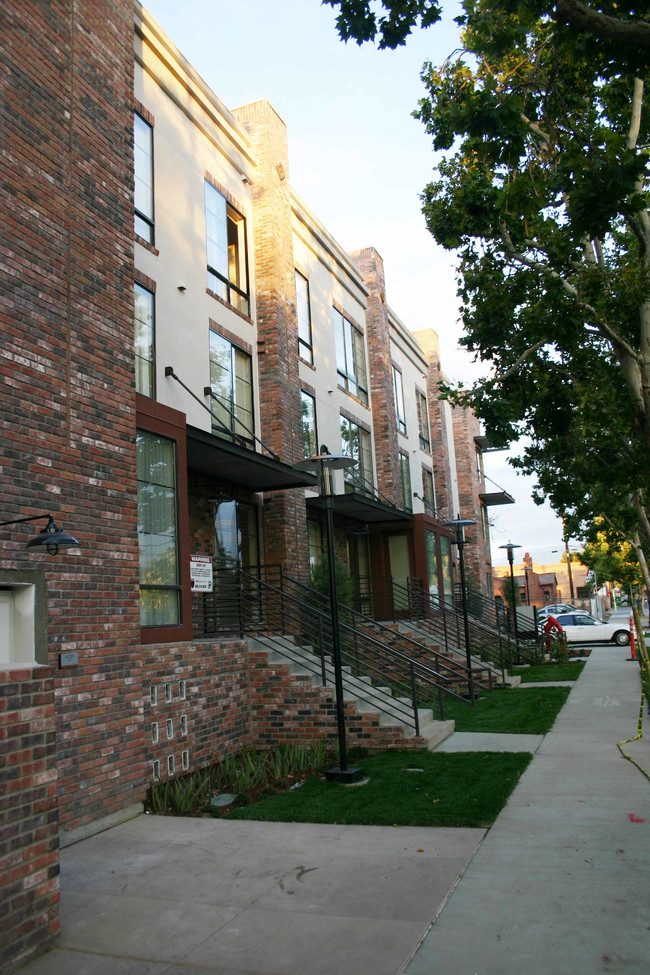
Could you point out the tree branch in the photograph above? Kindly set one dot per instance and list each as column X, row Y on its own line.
column 585, row 18
column 544, row 269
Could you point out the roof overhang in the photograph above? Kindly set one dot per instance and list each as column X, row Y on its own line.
column 489, row 499
column 226, row 461
column 362, row 507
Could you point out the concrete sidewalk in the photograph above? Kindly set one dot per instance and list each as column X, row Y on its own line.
column 561, row 883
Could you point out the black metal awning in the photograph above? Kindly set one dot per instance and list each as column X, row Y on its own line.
column 227, row 461
column 362, row 507
column 496, row 497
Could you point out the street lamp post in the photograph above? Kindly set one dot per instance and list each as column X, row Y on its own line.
column 323, row 464
column 510, row 549
column 458, row 525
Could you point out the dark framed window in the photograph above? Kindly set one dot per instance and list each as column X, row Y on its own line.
column 405, row 470
column 225, row 231
column 158, row 535
column 398, row 392
column 309, row 431
column 143, row 178
column 428, row 491
column 231, row 382
column 303, row 315
column 316, row 539
column 144, row 341
column 350, row 357
column 356, row 443
column 423, row 421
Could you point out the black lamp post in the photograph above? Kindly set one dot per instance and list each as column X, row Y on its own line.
column 51, row 538
column 458, row 525
column 323, row 464
column 510, row 549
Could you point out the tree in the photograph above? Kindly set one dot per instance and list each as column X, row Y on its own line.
column 617, row 24
column 542, row 191
column 612, row 558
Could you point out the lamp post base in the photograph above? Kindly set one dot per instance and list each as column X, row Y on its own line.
column 347, row 776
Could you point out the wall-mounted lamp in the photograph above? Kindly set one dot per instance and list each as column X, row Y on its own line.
column 52, row 538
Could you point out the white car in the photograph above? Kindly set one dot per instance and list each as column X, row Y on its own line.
column 552, row 609
column 580, row 627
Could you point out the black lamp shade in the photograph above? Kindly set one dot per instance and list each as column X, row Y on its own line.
column 52, row 538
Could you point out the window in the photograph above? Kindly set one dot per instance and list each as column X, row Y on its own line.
column 355, row 442
column 423, row 421
column 350, row 358
column 398, row 391
column 303, row 315
column 479, row 465
column 226, row 250
column 160, row 603
column 144, row 341
column 309, row 434
column 428, row 492
column 231, row 382
column 406, row 482
column 316, row 538
column 143, row 177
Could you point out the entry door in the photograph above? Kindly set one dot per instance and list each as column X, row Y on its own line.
column 400, row 570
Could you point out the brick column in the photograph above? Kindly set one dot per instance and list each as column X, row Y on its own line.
column 285, row 526
column 441, row 447
column 67, row 423
column 384, row 419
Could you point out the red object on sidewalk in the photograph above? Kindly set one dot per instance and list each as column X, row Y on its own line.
column 632, row 645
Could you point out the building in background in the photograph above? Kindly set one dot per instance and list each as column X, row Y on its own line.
column 179, row 330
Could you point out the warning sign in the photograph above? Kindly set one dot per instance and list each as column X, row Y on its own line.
column 201, row 573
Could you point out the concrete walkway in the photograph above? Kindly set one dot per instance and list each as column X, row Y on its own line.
column 559, row 885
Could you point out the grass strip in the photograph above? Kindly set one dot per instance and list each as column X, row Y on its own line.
column 514, row 711
column 405, row 788
column 544, row 672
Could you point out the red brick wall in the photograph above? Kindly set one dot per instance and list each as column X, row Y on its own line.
column 29, row 836
column 277, row 329
column 440, row 446
column 66, row 387
column 389, row 478
column 215, row 703
column 477, row 550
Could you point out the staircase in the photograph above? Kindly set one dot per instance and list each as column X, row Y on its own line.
column 360, row 695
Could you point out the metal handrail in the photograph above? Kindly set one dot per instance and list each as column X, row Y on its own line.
column 452, row 669
column 267, row 611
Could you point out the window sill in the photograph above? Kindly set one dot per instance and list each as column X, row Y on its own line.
column 147, row 246
column 226, row 304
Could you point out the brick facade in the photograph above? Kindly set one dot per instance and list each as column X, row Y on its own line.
column 389, row 479
column 68, row 420
column 441, row 446
column 277, row 329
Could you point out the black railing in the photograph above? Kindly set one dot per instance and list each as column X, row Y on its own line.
column 270, row 607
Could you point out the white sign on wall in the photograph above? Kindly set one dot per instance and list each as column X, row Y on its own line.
column 201, row 573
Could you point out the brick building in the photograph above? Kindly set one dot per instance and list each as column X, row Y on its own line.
column 158, row 388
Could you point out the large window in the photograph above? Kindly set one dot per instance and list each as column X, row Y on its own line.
column 355, row 442
column 231, row 382
column 428, row 491
column 160, row 590
column 423, row 421
column 143, row 177
column 144, row 341
column 303, row 314
column 316, row 539
column 398, row 391
column 226, row 250
column 406, row 481
column 309, row 433
column 350, row 358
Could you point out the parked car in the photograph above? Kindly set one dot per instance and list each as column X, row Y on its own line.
column 582, row 628
column 552, row 609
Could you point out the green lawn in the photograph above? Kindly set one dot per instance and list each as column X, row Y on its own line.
column 544, row 672
column 405, row 788
column 515, row 711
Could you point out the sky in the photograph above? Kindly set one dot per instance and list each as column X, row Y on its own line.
column 360, row 161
